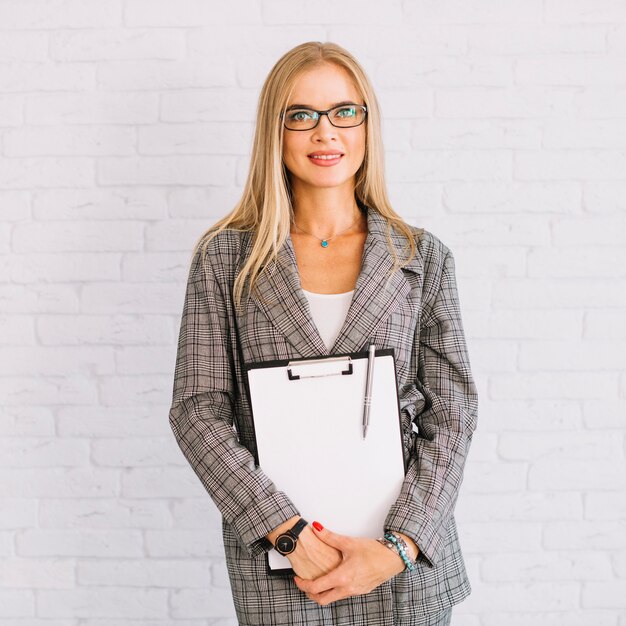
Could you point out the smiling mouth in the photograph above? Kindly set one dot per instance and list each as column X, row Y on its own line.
column 325, row 157
column 325, row 160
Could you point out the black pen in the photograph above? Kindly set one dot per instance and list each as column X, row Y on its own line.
column 367, row 402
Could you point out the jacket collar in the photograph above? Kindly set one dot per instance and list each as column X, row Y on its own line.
column 376, row 295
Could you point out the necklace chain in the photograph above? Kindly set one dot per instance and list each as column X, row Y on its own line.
column 325, row 240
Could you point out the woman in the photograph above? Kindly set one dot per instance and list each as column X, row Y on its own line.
column 314, row 261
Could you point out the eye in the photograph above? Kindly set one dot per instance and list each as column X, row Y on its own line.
column 300, row 115
column 346, row 112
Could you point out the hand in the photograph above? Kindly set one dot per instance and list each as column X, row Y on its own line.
column 366, row 565
column 313, row 557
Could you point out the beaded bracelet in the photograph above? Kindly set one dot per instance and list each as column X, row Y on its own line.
column 401, row 547
column 396, row 543
column 400, row 540
column 392, row 546
column 386, row 541
column 399, row 543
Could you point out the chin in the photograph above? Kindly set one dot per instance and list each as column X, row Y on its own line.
column 327, row 184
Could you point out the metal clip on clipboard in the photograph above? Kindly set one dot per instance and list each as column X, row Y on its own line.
column 342, row 359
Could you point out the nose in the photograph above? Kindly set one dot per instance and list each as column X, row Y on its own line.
column 324, row 127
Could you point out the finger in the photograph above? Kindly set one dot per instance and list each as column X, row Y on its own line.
column 329, row 596
column 305, row 585
column 321, row 584
column 335, row 540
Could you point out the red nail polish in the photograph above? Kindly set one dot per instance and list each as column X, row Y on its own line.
column 317, row 526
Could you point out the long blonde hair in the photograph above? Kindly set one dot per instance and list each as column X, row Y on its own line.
column 265, row 207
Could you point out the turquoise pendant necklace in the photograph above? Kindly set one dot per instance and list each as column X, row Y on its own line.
column 326, row 239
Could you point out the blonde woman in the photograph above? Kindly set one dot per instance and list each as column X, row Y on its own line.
column 314, row 261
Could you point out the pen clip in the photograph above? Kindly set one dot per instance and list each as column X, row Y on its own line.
column 367, row 400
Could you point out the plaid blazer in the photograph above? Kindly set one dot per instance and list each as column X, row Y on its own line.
column 416, row 311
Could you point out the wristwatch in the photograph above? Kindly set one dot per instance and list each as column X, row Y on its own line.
column 287, row 541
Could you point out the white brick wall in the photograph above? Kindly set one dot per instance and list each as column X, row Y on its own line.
column 125, row 129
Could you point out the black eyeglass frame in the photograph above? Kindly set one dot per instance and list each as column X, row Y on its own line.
column 320, row 113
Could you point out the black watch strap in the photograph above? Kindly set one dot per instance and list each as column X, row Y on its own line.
column 298, row 527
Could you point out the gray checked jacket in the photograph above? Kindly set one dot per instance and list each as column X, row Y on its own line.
column 417, row 313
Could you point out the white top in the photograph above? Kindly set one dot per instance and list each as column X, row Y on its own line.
column 329, row 313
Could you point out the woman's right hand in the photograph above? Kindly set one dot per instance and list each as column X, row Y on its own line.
column 312, row 557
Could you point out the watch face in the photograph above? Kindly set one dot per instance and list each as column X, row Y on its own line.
column 285, row 544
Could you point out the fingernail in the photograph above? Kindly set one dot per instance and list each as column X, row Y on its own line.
column 317, row 526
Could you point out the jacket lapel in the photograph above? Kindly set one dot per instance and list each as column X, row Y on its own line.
column 280, row 297
column 376, row 294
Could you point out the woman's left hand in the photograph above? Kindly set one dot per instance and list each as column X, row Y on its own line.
column 366, row 564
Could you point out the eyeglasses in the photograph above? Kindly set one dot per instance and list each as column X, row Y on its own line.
column 344, row 116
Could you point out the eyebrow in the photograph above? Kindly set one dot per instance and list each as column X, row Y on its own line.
column 308, row 106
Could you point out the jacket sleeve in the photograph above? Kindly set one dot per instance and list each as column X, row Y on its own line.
column 201, row 415
column 446, row 421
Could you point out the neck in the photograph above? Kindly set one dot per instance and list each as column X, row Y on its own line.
column 325, row 212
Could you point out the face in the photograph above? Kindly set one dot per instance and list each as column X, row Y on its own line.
column 321, row 88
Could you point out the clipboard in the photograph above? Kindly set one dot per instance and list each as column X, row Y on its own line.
column 307, row 416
